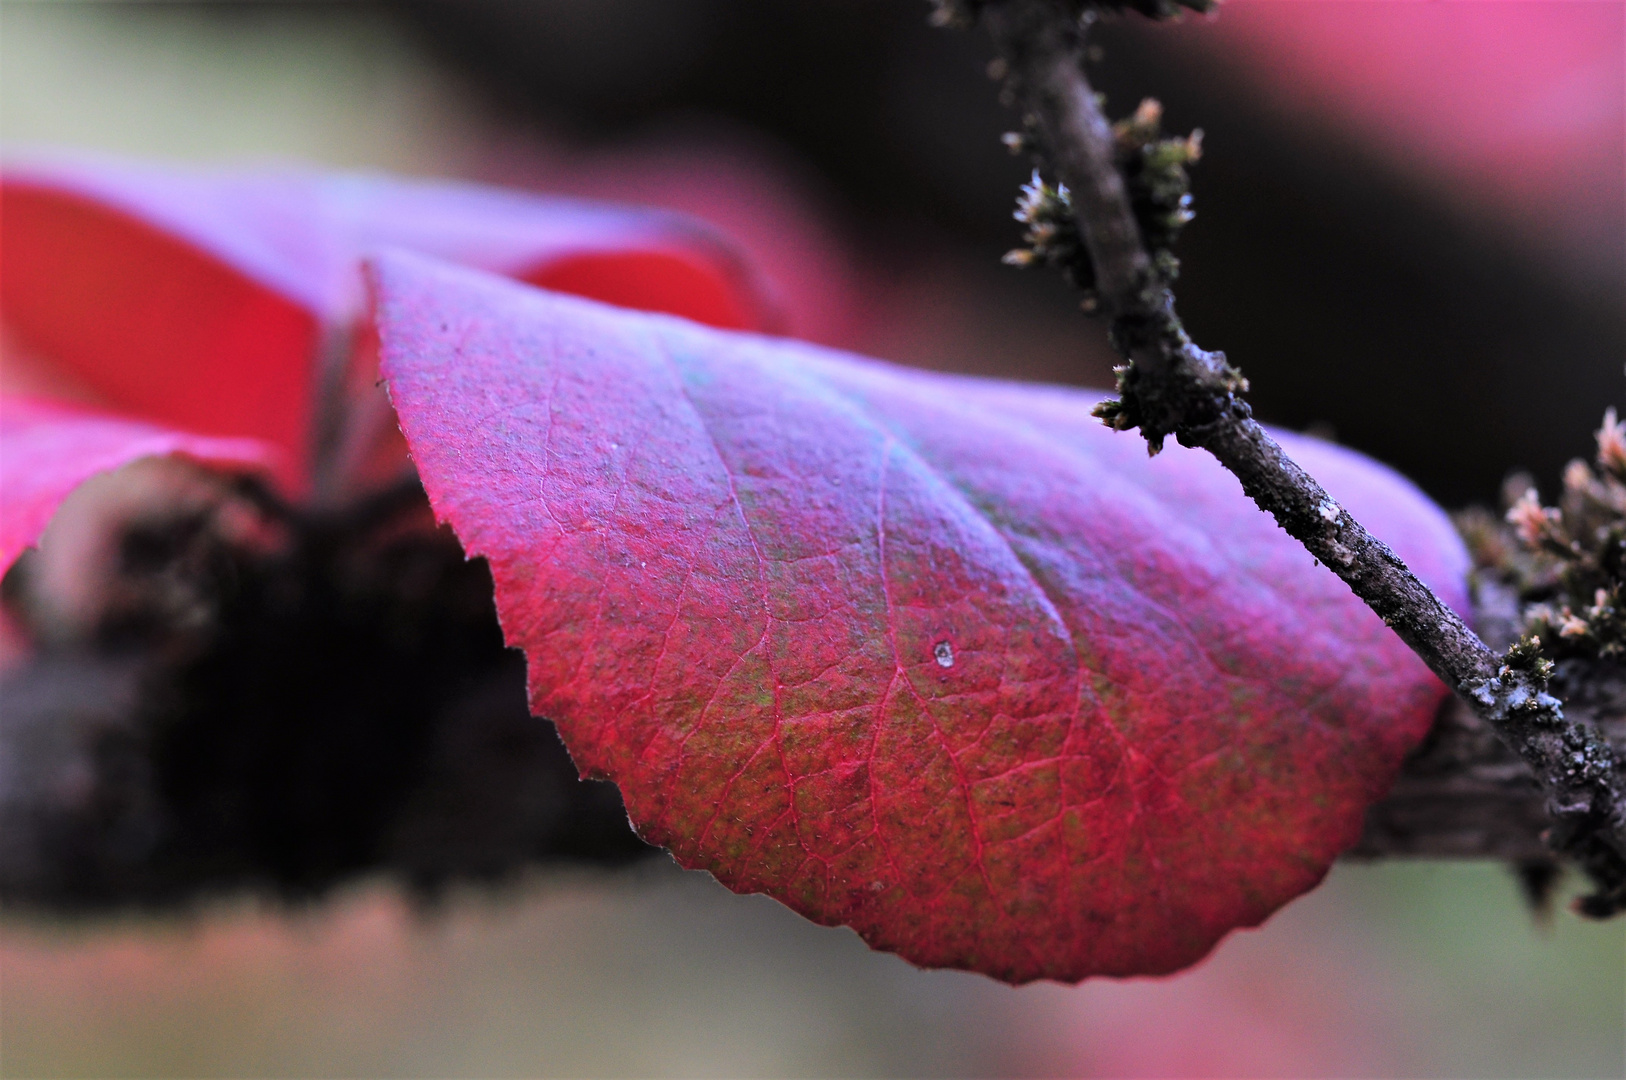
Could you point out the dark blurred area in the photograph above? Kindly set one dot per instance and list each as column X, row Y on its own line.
column 278, row 716
column 1393, row 315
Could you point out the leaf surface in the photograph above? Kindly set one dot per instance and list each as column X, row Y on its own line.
column 938, row 658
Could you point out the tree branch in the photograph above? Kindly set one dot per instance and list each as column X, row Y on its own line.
column 1171, row 387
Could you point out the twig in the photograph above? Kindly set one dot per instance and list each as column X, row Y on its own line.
column 1171, row 387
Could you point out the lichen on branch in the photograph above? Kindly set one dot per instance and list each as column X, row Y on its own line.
column 1154, row 171
column 1566, row 563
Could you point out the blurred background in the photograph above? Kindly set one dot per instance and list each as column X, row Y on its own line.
column 1411, row 235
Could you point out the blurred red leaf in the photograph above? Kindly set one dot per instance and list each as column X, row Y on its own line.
column 153, row 323
column 223, row 304
column 1518, row 104
column 938, row 658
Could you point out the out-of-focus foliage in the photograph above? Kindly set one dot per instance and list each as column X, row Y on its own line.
column 1400, row 970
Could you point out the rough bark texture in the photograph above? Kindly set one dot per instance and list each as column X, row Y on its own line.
column 1465, row 794
column 1171, row 387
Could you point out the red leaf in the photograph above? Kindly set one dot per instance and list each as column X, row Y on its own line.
column 203, row 301
column 154, row 324
column 650, row 281
column 51, row 448
column 938, row 658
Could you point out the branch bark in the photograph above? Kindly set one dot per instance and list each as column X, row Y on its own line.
column 1464, row 794
column 1171, row 387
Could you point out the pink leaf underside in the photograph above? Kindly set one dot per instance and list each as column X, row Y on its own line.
column 49, row 449
column 204, row 300
column 937, row 658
